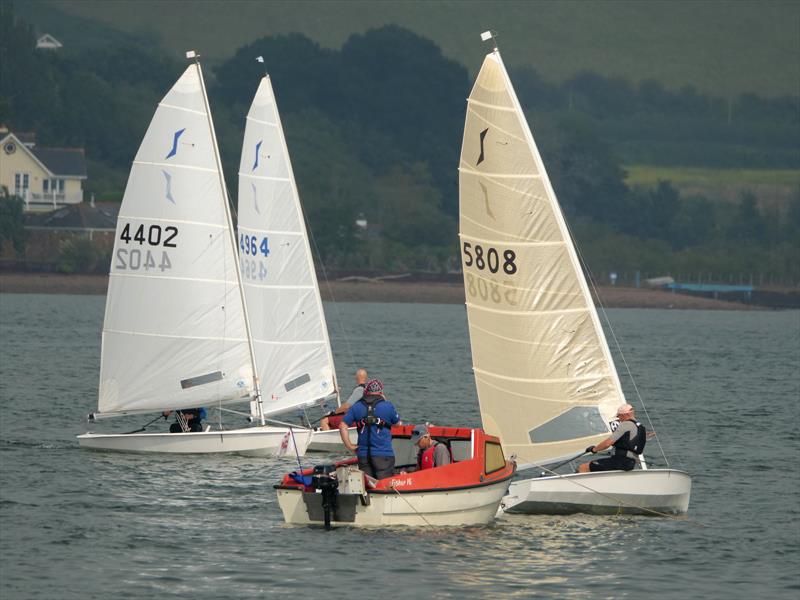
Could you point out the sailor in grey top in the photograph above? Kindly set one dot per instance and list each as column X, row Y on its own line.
column 619, row 461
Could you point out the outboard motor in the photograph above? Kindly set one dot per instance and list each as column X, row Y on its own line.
column 324, row 479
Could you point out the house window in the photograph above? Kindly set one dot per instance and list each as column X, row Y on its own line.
column 45, row 185
column 21, row 181
column 61, row 186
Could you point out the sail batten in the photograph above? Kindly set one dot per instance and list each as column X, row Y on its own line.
column 290, row 337
column 541, row 362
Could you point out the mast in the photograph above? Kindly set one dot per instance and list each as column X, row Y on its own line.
column 191, row 54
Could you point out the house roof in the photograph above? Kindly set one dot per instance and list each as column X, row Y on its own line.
column 72, row 217
column 48, row 41
column 62, row 161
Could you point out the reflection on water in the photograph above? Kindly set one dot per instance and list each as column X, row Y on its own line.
column 78, row 524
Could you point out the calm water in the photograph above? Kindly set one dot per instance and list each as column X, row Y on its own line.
column 722, row 388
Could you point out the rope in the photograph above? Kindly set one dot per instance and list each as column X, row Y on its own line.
column 616, row 341
column 419, row 514
column 339, row 319
column 620, row 502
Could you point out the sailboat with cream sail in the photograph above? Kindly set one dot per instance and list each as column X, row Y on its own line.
column 177, row 331
column 545, row 377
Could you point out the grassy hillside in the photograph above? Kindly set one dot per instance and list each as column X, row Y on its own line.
column 720, row 46
column 773, row 187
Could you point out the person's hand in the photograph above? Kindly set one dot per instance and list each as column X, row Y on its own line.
column 590, row 450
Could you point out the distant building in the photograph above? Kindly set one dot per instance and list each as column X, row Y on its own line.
column 48, row 42
column 45, row 178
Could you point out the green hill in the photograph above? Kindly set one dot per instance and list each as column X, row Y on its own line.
column 721, row 47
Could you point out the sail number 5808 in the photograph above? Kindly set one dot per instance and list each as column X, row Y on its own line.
column 489, row 258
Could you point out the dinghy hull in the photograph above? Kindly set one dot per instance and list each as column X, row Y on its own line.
column 652, row 492
column 253, row 441
column 473, row 506
column 330, row 441
column 467, row 491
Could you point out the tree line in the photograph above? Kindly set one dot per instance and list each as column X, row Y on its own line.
column 374, row 131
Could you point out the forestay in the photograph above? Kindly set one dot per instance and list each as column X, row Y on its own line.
column 292, row 350
column 175, row 334
column 545, row 378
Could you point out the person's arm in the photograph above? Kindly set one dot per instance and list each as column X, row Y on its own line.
column 345, row 435
column 608, row 442
column 441, row 456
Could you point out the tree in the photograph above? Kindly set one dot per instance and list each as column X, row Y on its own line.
column 12, row 222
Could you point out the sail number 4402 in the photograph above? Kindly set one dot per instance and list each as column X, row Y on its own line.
column 154, row 235
column 489, row 258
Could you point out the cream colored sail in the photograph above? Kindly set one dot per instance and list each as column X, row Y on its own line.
column 290, row 338
column 545, row 378
column 175, row 332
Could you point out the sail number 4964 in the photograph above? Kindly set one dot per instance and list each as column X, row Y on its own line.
column 489, row 258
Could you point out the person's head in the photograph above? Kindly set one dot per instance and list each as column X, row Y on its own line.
column 421, row 437
column 374, row 387
column 361, row 377
column 625, row 412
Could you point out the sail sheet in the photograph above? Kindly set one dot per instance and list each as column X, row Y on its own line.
column 290, row 337
column 174, row 334
column 546, row 381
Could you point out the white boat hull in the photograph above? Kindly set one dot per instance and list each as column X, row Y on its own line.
column 251, row 441
column 651, row 492
column 457, row 507
column 330, row 440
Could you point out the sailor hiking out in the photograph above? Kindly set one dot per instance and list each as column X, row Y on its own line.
column 628, row 441
column 374, row 416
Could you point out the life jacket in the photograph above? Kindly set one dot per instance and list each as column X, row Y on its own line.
column 425, row 459
column 624, row 444
column 371, row 419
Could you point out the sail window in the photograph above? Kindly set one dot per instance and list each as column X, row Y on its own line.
column 494, row 459
column 201, row 380
column 578, row 421
column 297, row 382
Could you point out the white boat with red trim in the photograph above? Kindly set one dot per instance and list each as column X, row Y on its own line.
column 466, row 492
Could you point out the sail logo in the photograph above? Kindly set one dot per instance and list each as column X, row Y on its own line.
column 168, row 183
column 255, row 198
column 488, row 208
column 258, row 150
column 483, row 137
column 176, row 136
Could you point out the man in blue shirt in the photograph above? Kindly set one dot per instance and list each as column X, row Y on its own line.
column 374, row 416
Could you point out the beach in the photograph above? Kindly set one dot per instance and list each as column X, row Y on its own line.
column 378, row 290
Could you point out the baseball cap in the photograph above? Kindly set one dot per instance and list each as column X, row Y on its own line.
column 418, row 432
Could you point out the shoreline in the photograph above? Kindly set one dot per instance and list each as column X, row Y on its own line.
column 432, row 292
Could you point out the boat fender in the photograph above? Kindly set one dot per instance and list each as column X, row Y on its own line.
column 624, row 445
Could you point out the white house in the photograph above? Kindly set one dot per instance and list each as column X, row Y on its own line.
column 45, row 178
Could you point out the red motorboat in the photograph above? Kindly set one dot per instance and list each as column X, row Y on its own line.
column 466, row 492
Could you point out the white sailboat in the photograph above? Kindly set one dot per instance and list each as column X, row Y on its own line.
column 545, row 377
column 176, row 333
column 290, row 337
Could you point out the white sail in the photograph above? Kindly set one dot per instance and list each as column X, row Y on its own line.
column 175, row 333
column 290, row 337
column 545, row 377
